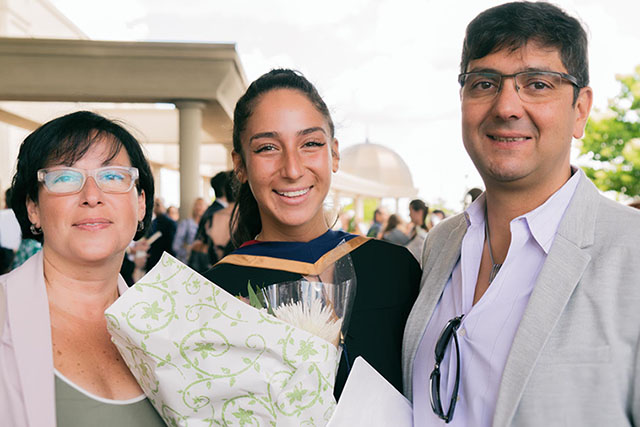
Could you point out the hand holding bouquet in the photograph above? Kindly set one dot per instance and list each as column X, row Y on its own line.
column 203, row 357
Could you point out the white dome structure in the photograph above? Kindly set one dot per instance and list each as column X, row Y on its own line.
column 380, row 165
column 371, row 171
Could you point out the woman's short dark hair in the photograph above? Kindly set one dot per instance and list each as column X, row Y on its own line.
column 512, row 25
column 66, row 140
column 419, row 205
column 245, row 218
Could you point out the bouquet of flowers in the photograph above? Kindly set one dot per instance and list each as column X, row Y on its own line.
column 204, row 357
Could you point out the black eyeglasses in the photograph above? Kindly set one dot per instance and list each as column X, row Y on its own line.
column 531, row 86
column 434, row 379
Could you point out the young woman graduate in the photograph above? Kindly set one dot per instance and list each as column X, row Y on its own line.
column 284, row 153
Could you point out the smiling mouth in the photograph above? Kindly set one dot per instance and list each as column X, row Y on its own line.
column 92, row 223
column 510, row 139
column 297, row 193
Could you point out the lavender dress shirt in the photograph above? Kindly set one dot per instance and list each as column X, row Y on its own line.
column 488, row 327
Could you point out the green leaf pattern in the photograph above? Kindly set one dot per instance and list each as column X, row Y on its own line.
column 203, row 357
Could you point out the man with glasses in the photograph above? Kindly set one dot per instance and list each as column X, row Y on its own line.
column 529, row 312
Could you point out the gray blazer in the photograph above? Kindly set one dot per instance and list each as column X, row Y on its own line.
column 575, row 357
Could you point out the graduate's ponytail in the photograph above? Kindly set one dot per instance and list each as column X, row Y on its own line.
column 245, row 218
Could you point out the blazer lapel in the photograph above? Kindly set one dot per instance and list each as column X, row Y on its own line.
column 28, row 316
column 434, row 278
column 562, row 270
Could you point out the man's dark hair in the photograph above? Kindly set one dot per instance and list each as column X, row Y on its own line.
column 219, row 184
column 512, row 25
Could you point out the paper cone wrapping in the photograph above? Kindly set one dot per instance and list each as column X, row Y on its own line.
column 203, row 357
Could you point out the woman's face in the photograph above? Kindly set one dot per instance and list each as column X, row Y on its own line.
column 289, row 155
column 89, row 226
column 416, row 216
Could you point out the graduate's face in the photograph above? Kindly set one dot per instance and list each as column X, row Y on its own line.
column 288, row 157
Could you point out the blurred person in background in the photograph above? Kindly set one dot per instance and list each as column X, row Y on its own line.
column 435, row 218
column 186, row 231
column 10, row 234
column 173, row 213
column 203, row 251
column 380, row 216
column 166, row 226
column 471, row 196
column 418, row 211
column 395, row 231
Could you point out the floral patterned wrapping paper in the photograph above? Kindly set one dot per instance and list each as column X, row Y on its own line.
column 205, row 358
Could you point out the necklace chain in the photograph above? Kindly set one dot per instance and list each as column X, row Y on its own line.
column 494, row 266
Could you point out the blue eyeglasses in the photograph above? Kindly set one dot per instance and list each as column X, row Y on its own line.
column 67, row 180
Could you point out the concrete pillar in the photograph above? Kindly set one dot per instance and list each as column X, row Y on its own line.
column 190, row 113
column 358, row 203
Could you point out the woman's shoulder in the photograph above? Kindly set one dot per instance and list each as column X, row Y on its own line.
column 23, row 273
column 381, row 254
column 382, row 247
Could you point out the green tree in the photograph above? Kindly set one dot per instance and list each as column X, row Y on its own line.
column 612, row 143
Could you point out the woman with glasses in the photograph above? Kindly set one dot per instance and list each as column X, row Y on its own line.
column 284, row 154
column 84, row 189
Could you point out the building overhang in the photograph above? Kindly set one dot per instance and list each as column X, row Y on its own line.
column 125, row 72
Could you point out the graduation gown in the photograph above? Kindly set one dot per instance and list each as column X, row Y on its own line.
column 387, row 284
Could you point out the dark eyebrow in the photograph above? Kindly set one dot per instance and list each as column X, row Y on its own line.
column 311, row 130
column 259, row 135
column 492, row 70
column 275, row 135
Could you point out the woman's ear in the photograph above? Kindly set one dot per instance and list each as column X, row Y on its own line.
column 335, row 155
column 142, row 206
column 33, row 212
column 238, row 167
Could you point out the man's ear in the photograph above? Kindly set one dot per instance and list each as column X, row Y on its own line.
column 239, row 167
column 33, row 212
column 335, row 155
column 582, row 108
column 142, row 205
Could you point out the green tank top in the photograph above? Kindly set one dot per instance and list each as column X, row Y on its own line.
column 75, row 408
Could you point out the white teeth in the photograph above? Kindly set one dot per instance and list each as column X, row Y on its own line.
column 508, row 139
column 294, row 193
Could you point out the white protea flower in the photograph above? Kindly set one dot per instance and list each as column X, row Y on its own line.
column 315, row 319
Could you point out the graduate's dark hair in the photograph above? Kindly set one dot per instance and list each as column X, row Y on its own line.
column 65, row 140
column 245, row 218
column 512, row 25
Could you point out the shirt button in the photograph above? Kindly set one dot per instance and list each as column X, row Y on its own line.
column 463, row 332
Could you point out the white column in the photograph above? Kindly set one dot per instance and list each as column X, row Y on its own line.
column 190, row 130
column 358, row 203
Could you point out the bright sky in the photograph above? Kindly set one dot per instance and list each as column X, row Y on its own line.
column 386, row 68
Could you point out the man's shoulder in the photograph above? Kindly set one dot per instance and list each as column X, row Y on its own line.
column 447, row 226
column 611, row 209
column 618, row 220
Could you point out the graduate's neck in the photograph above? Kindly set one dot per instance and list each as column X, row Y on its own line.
column 304, row 233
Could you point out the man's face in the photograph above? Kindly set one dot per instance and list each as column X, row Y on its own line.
column 518, row 144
